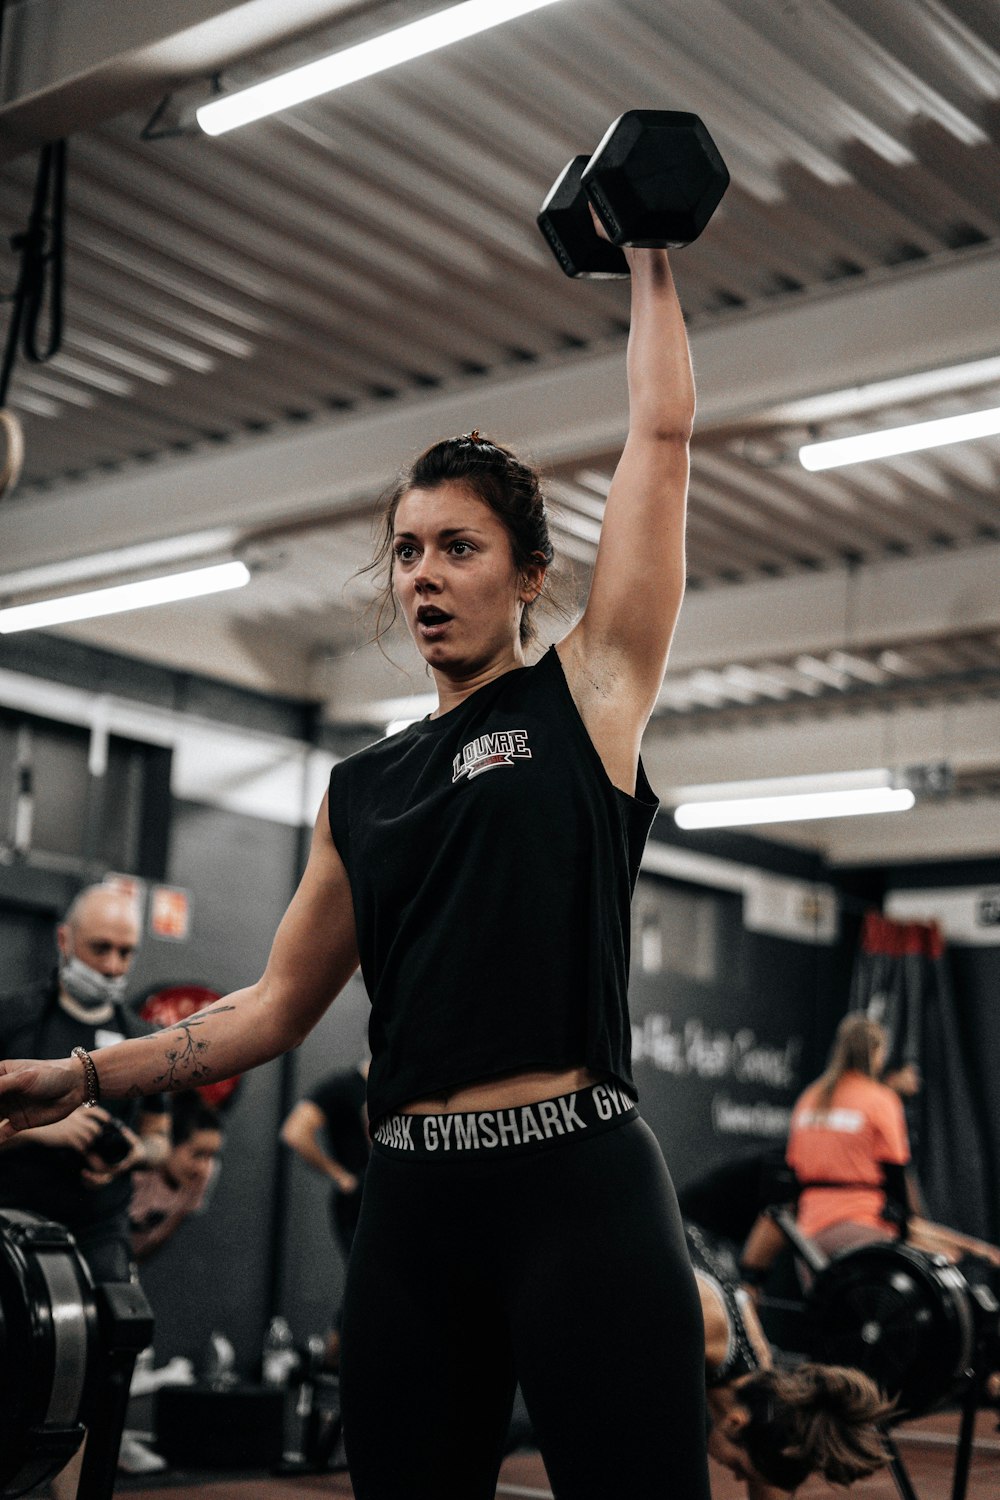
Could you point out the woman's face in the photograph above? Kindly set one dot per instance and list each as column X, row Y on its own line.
column 454, row 577
column 730, row 1419
column 726, row 1449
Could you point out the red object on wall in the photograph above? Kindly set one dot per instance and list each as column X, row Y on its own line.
column 897, row 939
column 175, row 1002
column 169, row 912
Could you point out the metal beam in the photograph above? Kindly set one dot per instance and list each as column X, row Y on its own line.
column 69, row 64
column 922, row 318
column 953, row 829
column 878, row 604
column 963, row 734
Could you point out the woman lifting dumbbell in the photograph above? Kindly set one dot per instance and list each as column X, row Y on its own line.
column 519, row 1221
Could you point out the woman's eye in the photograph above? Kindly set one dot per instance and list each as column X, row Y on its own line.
column 462, row 549
column 405, row 551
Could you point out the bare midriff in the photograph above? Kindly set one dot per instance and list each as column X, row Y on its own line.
column 501, row 1093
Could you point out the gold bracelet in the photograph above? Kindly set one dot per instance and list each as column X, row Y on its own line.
column 91, row 1080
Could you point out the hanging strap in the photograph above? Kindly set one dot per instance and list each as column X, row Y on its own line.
column 40, row 282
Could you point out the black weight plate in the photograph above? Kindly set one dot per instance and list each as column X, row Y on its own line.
column 564, row 219
column 900, row 1316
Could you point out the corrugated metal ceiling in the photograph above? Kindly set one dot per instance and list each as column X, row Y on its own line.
column 381, row 242
column 382, row 239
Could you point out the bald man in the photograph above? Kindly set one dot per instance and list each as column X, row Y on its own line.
column 54, row 1170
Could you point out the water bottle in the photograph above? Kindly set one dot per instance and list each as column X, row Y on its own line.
column 278, row 1356
column 219, row 1366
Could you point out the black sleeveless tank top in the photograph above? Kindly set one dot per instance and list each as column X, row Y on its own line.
column 492, row 864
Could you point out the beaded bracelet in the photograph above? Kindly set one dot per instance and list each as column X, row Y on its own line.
column 91, row 1080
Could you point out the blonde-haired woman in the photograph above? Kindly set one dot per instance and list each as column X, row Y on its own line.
column 849, row 1150
column 848, row 1145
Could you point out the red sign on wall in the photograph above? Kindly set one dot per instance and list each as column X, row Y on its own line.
column 169, row 912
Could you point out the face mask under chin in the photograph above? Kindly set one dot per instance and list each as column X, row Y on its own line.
column 88, row 987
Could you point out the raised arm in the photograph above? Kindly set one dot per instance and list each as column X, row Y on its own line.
column 313, row 955
column 616, row 655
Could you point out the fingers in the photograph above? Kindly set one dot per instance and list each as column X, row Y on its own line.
column 93, row 1179
column 602, row 233
column 15, row 1079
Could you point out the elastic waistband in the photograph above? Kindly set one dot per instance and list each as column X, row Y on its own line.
column 519, row 1128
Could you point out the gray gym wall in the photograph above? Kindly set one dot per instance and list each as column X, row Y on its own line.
column 728, row 1026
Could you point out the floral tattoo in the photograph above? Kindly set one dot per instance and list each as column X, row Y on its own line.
column 185, row 1061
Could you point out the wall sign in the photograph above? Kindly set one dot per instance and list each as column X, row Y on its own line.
column 169, row 913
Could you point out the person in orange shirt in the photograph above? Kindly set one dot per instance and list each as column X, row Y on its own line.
column 849, row 1150
column 848, row 1145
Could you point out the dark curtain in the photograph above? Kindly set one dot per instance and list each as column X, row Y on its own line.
column 903, row 979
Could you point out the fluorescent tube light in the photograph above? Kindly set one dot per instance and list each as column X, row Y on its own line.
column 123, row 596
column 911, row 439
column 737, row 812
column 340, row 68
column 781, row 786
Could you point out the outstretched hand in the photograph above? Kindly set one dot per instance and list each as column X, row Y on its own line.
column 37, row 1093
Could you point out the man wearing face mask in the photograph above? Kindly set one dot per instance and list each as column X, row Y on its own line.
column 78, row 1171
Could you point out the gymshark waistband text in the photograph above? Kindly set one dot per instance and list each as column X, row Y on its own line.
column 488, row 1129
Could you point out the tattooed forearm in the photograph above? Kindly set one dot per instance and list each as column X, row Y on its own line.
column 185, row 1062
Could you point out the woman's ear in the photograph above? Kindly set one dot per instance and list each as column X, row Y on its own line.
column 532, row 581
column 735, row 1420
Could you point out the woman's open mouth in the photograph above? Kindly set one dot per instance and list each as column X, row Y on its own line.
column 432, row 622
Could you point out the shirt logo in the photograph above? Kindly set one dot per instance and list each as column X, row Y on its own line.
column 489, row 751
column 846, row 1121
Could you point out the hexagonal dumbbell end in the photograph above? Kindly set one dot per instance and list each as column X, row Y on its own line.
column 656, row 178
column 564, row 219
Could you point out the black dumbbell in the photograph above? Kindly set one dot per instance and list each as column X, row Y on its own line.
column 655, row 179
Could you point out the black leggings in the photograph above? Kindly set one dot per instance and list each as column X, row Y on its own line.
column 560, row 1264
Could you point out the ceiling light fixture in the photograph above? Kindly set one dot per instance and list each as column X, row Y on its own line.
column 784, row 799
column 735, row 812
column 124, row 596
column 893, row 440
column 352, row 63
